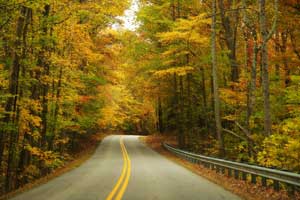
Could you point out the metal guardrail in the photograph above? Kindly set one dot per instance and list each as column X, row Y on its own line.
column 241, row 170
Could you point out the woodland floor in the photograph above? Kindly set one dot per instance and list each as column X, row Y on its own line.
column 245, row 190
column 89, row 145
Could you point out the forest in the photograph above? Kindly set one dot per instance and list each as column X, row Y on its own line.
column 223, row 76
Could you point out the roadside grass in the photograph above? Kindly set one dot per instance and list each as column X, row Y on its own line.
column 244, row 189
column 89, row 146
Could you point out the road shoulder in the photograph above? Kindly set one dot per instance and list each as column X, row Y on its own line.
column 245, row 190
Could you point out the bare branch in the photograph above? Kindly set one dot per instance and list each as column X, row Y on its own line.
column 234, row 134
column 274, row 25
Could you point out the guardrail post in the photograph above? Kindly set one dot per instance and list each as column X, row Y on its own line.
column 223, row 170
column 291, row 190
column 229, row 172
column 244, row 176
column 241, row 170
column 264, row 181
column 253, row 178
column 276, row 185
column 236, row 174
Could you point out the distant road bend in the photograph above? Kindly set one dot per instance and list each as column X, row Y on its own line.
column 124, row 168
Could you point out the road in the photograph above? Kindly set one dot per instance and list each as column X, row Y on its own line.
column 125, row 168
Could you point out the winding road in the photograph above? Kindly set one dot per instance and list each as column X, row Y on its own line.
column 125, row 168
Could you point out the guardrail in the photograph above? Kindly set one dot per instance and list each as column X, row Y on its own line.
column 241, row 170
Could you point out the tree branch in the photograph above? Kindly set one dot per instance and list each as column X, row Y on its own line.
column 274, row 25
column 234, row 134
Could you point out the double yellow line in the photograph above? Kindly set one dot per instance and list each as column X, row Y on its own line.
column 120, row 187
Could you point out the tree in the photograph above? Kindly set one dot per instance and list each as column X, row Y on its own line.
column 215, row 79
column 49, row 60
column 264, row 59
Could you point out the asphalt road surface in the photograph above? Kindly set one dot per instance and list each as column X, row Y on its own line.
column 124, row 168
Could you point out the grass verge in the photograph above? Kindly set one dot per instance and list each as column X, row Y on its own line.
column 244, row 189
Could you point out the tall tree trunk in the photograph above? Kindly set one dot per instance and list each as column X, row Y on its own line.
column 283, row 48
column 294, row 44
column 55, row 114
column 252, row 86
column 189, row 114
column 181, row 115
column 230, row 31
column 178, row 9
column 173, row 10
column 204, row 98
column 11, row 106
column 247, row 58
column 264, row 62
column 23, row 158
column 176, row 107
column 277, row 50
column 215, row 81
column 160, row 116
column 189, row 101
column 45, row 85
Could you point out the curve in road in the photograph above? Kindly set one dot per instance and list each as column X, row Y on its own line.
column 124, row 168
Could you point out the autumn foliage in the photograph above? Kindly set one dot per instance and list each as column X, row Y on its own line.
column 225, row 81
column 54, row 58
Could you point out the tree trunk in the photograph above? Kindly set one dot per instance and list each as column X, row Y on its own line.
column 189, row 114
column 204, row 98
column 189, row 100
column 45, row 86
column 176, row 107
column 160, row 116
column 230, row 31
column 215, row 82
column 294, row 44
column 173, row 10
column 252, row 85
column 283, row 48
column 277, row 50
column 178, row 9
column 56, row 110
column 264, row 63
column 11, row 105
column 24, row 156
column 181, row 130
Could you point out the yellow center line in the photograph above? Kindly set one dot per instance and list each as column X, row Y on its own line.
column 125, row 184
column 125, row 174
